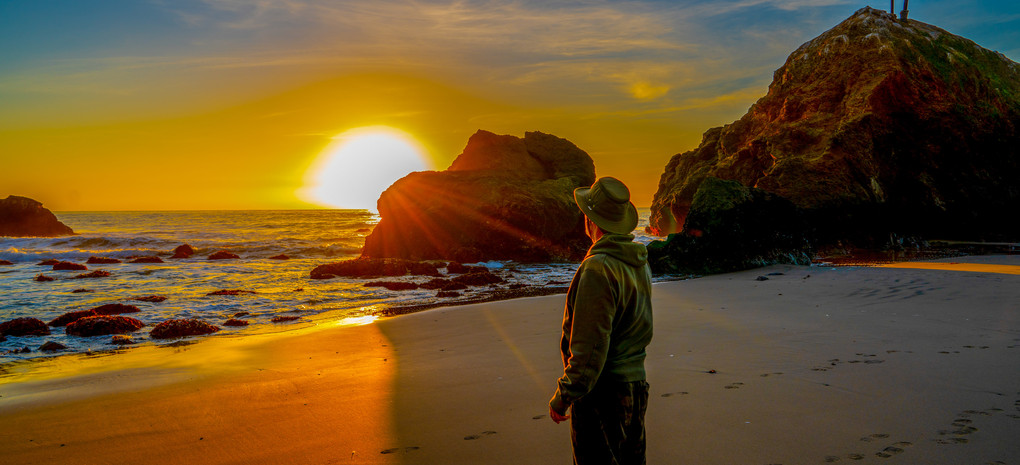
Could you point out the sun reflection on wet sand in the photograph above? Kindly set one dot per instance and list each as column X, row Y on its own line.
column 257, row 397
column 357, row 320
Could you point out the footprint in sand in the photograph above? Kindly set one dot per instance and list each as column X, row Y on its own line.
column 766, row 375
column 872, row 437
column 538, row 417
column 398, row 449
column 479, row 436
column 855, row 456
column 671, row 394
column 733, row 385
column 893, row 449
column 965, row 430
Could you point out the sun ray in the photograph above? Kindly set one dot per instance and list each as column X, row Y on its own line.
column 437, row 215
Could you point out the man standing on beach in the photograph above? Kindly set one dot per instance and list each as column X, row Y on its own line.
column 607, row 323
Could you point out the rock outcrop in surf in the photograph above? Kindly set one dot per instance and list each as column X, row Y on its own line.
column 503, row 198
column 22, row 216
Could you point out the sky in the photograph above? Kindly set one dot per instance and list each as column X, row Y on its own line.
column 228, row 104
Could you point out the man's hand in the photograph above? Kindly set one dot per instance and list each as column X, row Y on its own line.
column 556, row 416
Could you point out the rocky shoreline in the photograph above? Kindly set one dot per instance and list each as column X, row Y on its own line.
column 107, row 319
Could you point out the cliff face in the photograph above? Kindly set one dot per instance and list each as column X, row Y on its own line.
column 504, row 197
column 22, row 216
column 876, row 125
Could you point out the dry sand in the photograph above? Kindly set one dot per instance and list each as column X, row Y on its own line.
column 816, row 365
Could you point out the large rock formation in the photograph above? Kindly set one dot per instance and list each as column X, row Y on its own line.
column 22, row 216
column 732, row 227
column 875, row 126
column 504, row 197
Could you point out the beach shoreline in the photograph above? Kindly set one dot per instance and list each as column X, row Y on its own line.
column 811, row 365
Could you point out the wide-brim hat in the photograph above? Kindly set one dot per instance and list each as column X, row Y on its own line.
column 607, row 203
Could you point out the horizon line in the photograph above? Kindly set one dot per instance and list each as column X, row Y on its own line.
column 233, row 210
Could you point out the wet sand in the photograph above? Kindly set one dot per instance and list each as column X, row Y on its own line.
column 814, row 365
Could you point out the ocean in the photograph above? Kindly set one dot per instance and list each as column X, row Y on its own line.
column 280, row 287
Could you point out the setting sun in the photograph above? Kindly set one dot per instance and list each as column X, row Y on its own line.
column 354, row 169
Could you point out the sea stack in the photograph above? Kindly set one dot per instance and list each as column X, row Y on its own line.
column 876, row 126
column 503, row 198
column 22, row 216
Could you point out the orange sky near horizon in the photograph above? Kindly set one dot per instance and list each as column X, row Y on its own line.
column 225, row 104
column 256, row 154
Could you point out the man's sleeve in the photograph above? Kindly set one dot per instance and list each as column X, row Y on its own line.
column 594, row 308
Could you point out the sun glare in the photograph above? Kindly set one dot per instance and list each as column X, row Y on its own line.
column 354, row 169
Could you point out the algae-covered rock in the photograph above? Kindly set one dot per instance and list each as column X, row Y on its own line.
column 182, row 327
column 26, row 326
column 71, row 317
column 101, row 260
column 69, row 266
column 51, row 346
column 101, row 325
column 149, row 259
column 373, row 268
column 183, row 251
column 116, row 309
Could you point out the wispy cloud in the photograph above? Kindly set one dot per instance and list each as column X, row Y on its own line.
column 554, row 52
column 793, row 5
column 521, row 28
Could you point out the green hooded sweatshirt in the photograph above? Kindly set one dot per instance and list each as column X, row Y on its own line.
column 607, row 321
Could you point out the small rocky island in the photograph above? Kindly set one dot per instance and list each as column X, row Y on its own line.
column 22, row 216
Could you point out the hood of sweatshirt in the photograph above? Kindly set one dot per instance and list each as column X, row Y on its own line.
column 621, row 247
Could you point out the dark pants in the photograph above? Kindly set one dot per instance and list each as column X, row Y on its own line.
column 607, row 426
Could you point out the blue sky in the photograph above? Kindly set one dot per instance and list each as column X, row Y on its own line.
column 177, row 54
